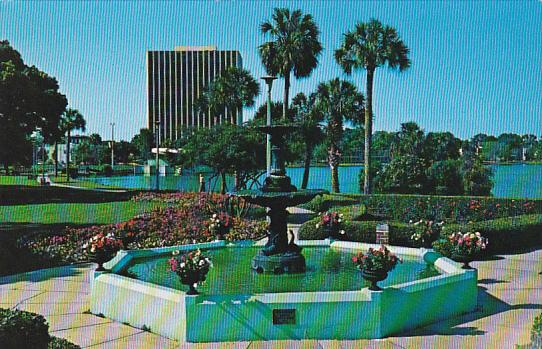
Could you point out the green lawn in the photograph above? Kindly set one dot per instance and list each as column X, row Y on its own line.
column 81, row 183
column 17, row 180
column 75, row 213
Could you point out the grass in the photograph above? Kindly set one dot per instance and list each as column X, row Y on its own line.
column 75, row 213
column 18, row 180
column 81, row 183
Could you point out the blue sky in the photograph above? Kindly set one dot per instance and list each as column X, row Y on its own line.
column 476, row 66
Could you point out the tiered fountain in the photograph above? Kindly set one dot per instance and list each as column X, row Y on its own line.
column 280, row 254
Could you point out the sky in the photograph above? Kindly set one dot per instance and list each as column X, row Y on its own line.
column 476, row 66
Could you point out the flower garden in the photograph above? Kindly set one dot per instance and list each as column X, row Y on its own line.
column 186, row 218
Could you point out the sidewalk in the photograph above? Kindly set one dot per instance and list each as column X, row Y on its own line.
column 510, row 296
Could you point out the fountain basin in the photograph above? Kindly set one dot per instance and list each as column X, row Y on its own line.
column 254, row 315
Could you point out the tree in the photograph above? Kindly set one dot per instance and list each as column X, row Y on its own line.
column 143, row 143
column 476, row 176
column 308, row 119
column 441, row 146
column 124, row 151
column 227, row 149
column 231, row 91
column 71, row 120
column 369, row 46
column 295, row 47
column 337, row 101
column 260, row 117
column 29, row 99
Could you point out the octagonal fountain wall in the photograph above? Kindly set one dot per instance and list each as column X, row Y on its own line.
column 351, row 314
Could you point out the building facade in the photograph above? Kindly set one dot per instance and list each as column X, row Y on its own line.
column 175, row 81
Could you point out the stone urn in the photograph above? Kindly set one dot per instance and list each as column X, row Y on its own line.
column 463, row 258
column 374, row 276
column 100, row 257
column 191, row 280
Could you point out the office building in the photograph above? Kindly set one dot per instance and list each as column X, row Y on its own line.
column 175, row 81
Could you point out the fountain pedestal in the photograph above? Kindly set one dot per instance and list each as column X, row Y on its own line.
column 280, row 254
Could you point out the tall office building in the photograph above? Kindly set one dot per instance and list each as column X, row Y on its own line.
column 176, row 79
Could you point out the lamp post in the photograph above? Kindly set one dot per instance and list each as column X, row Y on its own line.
column 112, row 144
column 157, row 166
column 269, row 82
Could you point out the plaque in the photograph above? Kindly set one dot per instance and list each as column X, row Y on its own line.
column 283, row 316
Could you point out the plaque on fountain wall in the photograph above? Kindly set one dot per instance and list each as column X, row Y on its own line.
column 284, row 317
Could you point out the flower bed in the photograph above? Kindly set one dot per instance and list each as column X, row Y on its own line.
column 186, row 221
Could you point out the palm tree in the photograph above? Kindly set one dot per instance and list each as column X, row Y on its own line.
column 338, row 101
column 71, row 120
column 231, row 91
column 369, row 46
column 295, row 47
column 308, row 118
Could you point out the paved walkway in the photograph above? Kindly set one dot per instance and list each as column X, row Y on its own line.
column 509, row 297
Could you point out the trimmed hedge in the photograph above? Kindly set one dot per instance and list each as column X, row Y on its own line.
column 504, row 234
column 361, row 231
column 404, row 208
column 323, row 203
column 22, row 329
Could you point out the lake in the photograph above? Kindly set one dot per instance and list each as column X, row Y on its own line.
column 517, row 180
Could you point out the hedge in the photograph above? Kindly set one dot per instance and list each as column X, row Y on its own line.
column 21, row 329
column 504, row 234
column 404, row 208
column 361, row 231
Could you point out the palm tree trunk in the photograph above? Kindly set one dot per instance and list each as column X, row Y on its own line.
column 368, row 131
column 68, row 157
column 56, row 159
column 223, row 183
column 308, row 157
column 286, row 95
column 334, row 166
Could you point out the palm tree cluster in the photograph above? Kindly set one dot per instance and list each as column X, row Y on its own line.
column 295, row 47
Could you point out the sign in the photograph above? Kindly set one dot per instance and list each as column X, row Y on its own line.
column 383, row 228
column 283, row 316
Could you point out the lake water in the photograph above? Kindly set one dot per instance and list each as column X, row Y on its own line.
column 517, row 180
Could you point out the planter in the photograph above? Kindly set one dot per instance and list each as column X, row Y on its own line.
column 463, row 258
column 373, row 276
column 101, row 258
column 191, row 280
column 331, row 232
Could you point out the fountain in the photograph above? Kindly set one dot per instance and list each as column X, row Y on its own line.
column 280, row 254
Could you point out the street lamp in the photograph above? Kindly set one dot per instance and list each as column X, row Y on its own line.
column 157, row 167
column 112, row 144
column 269, row 82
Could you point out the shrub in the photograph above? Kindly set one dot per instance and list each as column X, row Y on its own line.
column 362, row 231
column 21, row 329
column 505, row 234
column 323, row 203
column 537, row 325
column 61, row 343
column 455, row 209
column 107, row 170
